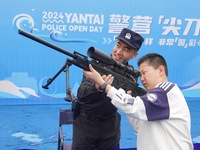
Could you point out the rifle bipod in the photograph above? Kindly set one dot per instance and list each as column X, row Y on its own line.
column 65, row 68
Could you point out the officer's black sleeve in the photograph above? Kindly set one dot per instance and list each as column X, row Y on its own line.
column 86, row 88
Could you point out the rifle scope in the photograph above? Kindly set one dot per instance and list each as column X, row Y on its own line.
column 107, row 59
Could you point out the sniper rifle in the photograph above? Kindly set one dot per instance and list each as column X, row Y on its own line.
column 124, row 76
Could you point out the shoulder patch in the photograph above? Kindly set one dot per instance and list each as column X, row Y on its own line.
column 151, row 97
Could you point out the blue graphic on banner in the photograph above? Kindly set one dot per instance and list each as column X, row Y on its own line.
column 26, row 65
column 191, row 89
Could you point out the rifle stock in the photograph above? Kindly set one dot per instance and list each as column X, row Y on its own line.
column 122, row 76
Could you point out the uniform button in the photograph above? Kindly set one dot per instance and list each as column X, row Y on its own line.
column 87, row 120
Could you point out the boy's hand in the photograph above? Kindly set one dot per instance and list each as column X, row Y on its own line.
column 94, row 76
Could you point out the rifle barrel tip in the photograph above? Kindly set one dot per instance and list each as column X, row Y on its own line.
column 19, row 30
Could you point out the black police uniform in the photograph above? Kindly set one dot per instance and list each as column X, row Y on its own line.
column 98, row 124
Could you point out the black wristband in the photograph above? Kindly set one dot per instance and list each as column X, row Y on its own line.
column 103, row 87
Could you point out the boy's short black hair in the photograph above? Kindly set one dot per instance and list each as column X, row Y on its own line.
column 154, row 60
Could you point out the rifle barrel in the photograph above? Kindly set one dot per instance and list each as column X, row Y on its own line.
column 35, row 38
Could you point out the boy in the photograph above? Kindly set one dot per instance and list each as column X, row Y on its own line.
column 161, row 117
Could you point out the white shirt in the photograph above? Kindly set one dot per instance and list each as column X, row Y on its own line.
column 161, row 117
